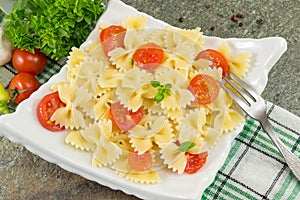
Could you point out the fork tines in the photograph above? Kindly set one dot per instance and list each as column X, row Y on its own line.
column 240, row 91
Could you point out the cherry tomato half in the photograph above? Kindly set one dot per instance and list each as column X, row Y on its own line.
column 141, row 162
column 149, row 56
column 204, row 88
column 25, row 61
column 112, row 37
column 195, row 162
column 123, row 118
column 217, row 59
column 25, row 84
column 45, row 109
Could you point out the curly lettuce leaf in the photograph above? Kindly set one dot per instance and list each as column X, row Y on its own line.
column 53, row 26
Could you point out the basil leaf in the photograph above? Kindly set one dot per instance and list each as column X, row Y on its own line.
column 185, row 146
column 167, row 93
column 162, row 90
column 158, row 97
column 168, row 86
column 155, row 84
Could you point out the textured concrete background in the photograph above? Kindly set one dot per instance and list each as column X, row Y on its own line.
column 26, row 176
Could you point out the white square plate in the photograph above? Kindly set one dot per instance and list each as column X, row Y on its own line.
column 22, row 126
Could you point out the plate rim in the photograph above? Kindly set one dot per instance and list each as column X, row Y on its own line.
column 129, row 189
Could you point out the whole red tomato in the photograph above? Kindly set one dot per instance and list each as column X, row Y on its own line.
column 25, row 84
column 25, row 61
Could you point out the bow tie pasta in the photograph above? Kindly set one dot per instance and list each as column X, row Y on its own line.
column 145, row 99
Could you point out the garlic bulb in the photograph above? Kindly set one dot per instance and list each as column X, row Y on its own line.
column 5, row 48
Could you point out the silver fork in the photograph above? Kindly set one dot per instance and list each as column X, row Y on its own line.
column 254, row 106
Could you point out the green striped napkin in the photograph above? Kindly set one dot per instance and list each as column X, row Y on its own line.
column 254, row 168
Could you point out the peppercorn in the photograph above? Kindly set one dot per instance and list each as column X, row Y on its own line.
column 207, row 5
column 240, row 15
column 212, row 28
column 241, row 24
column 259, row 21
column 234, row 18
column 181, row 19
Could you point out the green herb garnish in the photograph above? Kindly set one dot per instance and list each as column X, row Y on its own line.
column 131, row 61
column 185, row 146
column 162, row 90
column 53, row 26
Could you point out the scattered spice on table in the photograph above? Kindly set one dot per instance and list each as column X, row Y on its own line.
column 207, row 5
column 237, row 17
column 234, row 18
column 240, row 15
column 259, row 21
column 181, row 19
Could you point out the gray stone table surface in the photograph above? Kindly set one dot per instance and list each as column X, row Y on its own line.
column 26, row 176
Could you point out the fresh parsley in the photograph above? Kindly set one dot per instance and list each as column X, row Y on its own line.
column 53, row 26
column 162, row 90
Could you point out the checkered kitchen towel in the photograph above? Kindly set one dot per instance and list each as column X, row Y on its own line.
column 254, row 168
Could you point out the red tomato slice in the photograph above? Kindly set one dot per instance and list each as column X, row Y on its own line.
column 217, row 59
column 204, row 88
column 141, row 162
column 112, row 37
column 148, row 56
column 45, row 109
column 195, row 162
column 123, row 118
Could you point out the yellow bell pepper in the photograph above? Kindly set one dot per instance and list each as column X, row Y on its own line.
column 4, row 100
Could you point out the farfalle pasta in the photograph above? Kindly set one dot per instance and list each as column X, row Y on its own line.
column 147, row 100
column 238, row 62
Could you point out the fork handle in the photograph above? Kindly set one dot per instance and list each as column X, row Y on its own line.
column 291, row 159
